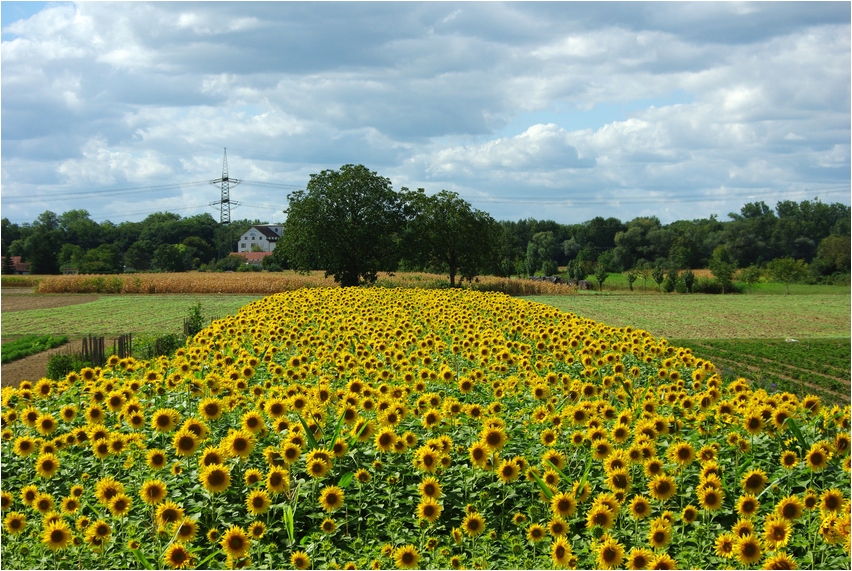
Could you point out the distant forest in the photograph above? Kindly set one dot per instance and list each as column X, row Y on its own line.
column 813, row 233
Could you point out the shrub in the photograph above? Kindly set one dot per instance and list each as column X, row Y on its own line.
column 59, row 365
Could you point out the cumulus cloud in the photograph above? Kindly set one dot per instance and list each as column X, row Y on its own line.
column 550, row 110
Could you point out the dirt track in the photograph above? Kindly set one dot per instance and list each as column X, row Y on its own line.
column 34, row 367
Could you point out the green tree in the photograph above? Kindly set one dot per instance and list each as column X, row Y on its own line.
column 723, row 267
column 138, row 256
column 452, row 233
column 172, row 258
column 8, row 268
column 688, row 280
column 787, row 271
column 750, row 275
column 346, row 222
column 631, row 277
column 833, row 255
column 105, row 259
column 658, row 274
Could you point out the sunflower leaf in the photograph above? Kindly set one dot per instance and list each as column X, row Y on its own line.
column 794, row 428
column 346, row 479
column 544, row 489
column 142, row 559
column 312, row 442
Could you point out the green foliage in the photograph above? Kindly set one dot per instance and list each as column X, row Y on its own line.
column 722, row 267
column 658, row 274
column 30, row 345
column 59, row 365
column 194, row 320
column 8, row 268
column 817, row 366
column 670, row 281
column 347, row 223
column 787, row 271
column 688, row 278
column 631, row 276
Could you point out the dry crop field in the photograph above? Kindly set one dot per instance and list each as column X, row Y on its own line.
column 410, row 428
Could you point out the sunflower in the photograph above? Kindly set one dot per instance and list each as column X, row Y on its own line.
column 29, row 493
column 176, row 556
column 107, row 488
column 429, row 487
column 24, row 446
column 363, row 476
column 120, row 505
column 258, row 502
column 711, row 498
column 689, row 514
column 406, row 557
column 479, row 454
column 780, row 560
column 817, row 458
column 748, row 550
column 385, row 439
column 331, row 498
column 300, row 560
column 257, row 529
column 427, row 459
column 46, row 465
column 639, row 558
column 610, row 553
column 215, row 478
column 253, row 422
column 156, row 459
column 493, row 438
column 56, row 535
column 277, row 480
column 185, row 530
column 600, row 515
column 659, row 536
column 328, row 525
column 789, row 507
column 776, row 531
column 167, row 513
column 557, row 526
column 473, row 524
column 618, row 480
column 210, row 408
column 725, row 544
column 235, row 542
column 747, row 505
column 165, row 419
column 508, row 471
column 662, row 561
column 681, row 453
column 754, row 481
column 662, row 487
column 185, row 442
column 238, row 443
column 640, row 507
column 563, row 504
column 6, row 500
column 560, row 552
column 14, row 523
column 788, row 459
column 535, row 532
column 831, row 500
column 742, row 528
column 428, row 509
column 252, row 476
column 317, row 467
column 153, row 492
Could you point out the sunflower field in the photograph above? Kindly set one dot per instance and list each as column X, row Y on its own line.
column 378, row 428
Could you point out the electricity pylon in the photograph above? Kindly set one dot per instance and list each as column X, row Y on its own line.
column 225, row 202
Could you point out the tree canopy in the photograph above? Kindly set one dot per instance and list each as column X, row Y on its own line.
column 346, row 222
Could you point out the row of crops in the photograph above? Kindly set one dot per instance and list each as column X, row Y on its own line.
column 406, row 428
column 802, row 366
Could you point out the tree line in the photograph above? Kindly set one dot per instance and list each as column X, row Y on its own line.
column 352, row 224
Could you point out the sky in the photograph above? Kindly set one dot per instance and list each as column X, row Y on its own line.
column 556, row 111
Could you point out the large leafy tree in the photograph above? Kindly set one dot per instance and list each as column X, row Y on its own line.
column 346, row 222
column 447, row 231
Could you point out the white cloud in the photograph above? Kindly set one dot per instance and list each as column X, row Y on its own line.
column 714, row 98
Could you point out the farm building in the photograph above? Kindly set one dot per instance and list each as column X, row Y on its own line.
column 260, row 238
column 255, row 258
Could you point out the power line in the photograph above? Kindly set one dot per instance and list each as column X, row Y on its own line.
column 98, row 193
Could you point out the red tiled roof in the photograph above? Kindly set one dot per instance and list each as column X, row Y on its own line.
column 253, row 257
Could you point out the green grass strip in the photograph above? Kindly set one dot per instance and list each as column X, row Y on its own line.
column 30, row 345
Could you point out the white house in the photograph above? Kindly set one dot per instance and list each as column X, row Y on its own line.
column 264, row 236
